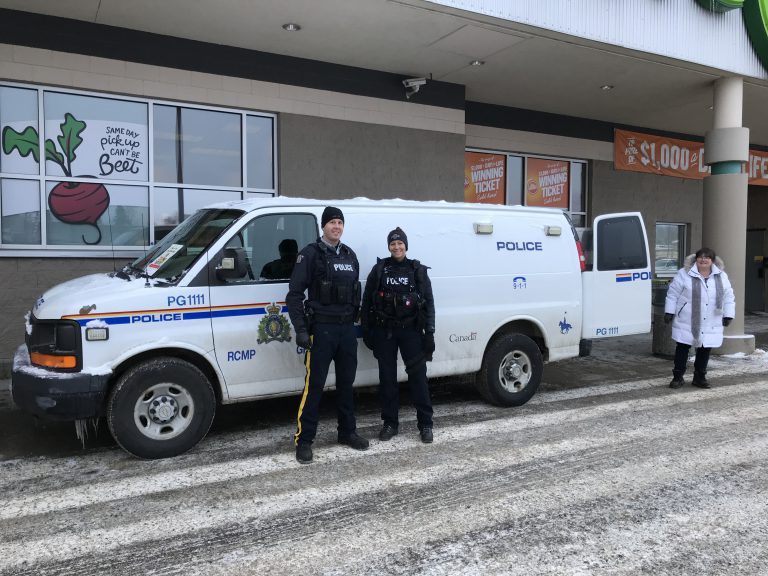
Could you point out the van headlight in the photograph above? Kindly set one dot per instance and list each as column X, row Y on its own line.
column 55, row 344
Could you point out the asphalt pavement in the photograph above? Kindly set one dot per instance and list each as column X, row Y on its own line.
column 605, row 471
column 618, row 479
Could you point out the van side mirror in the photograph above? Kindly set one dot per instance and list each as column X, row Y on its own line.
column 232, row 265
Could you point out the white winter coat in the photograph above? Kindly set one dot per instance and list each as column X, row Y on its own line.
column 678, row 302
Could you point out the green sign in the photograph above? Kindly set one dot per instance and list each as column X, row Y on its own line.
column 756, row 18
column 720, row 5
column 755, row 14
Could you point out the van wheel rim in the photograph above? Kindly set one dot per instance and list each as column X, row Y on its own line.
column 515, row 371
column 163, row 411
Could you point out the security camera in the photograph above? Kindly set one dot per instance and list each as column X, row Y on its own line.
column 412, row 85
column 414, row 82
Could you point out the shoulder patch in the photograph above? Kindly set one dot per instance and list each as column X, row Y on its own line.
column 299, row 258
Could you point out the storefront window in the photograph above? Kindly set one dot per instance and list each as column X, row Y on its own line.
column 261, row 162
column 670, row 248
column 577, row 187
column 198, row 146
column 20, row 209
column 547, row 182
column 93, row 213
column 527, row 180
column 578, row 194
column 484, row 178
column 173, row 205
column 72, row 182
column 88, row 137
column 18, row 121
column 166, row 144
column 514, row 180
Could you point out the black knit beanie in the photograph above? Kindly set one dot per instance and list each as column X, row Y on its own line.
column 329, row 214
column 397, row 234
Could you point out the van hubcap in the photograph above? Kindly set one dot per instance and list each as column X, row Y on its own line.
column 164, row 411
column 515, row 371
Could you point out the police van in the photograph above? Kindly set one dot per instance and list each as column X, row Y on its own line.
column 201, row 319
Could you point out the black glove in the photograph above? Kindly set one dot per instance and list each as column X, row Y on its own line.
column 303, row 340
column 428, row 343
column 368, row 339
column 668, row 318
column 727, row 321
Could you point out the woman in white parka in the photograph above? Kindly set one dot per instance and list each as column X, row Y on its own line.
column 699, row 303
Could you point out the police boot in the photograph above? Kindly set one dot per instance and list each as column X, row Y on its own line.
column 354, row 441
column 303, row 453
column 677, row 379
column 700, row 380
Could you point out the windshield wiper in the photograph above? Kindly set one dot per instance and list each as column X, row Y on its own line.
column 135, row 271
column 122, row 274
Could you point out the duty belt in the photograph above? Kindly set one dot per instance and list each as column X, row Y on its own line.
column 327, row 319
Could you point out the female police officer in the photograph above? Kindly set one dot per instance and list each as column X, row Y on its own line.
column 329, row 271
column 398, row 312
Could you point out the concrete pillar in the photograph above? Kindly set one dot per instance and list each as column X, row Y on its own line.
column 724, row 227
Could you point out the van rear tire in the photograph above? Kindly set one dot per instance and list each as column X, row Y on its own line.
column 511, row 371
column 160, row 408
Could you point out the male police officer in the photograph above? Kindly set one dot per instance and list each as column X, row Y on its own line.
column 399, row 312
column 324, row 325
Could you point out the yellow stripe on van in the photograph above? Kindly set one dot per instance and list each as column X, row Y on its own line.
column 303, row 395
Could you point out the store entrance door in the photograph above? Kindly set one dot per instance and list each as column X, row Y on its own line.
column 754, row 272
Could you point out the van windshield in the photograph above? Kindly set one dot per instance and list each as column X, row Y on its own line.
column 174, row 254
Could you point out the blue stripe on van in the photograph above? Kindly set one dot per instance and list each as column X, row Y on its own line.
column 196, row 315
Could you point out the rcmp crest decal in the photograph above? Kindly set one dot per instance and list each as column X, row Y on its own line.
column 274, row 326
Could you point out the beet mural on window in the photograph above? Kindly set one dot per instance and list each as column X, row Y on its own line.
column 70, row 202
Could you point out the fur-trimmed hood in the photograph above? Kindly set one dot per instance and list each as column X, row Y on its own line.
column 691, row 258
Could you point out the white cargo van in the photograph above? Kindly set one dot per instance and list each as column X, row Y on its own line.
column 200, row 321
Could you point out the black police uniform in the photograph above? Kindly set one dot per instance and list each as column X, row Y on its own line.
column 398, row 312
column 331, row 276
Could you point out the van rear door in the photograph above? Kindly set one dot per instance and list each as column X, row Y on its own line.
column 617, row 286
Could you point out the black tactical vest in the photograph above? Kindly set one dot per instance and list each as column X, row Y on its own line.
column 335, row 278
column 397, row 301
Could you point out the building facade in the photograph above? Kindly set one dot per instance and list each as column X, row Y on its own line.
column 117, row 125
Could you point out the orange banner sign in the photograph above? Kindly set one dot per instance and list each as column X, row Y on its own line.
column 639, row 152
column 547, row 183
column 485, row 178
column 658, row 155
column 757, row 168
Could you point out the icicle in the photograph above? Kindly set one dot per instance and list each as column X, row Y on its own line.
column 81, row 428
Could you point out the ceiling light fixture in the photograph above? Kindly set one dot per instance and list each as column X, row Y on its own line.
column 476, row 63
column 606, row 87
column 291, row 27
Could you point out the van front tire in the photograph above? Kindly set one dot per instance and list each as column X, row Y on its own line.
column 160, row 408
column 511, row 371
